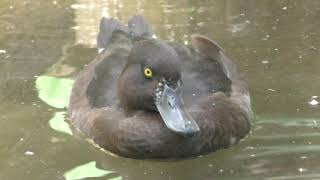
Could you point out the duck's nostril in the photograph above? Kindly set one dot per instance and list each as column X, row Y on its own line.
column 172, row 85
column 171, row 101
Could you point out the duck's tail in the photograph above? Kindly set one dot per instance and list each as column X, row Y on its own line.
column 137, row 27
column 239, row 87
column 107, row 27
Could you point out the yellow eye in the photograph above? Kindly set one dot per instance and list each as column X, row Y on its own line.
column 147, row 72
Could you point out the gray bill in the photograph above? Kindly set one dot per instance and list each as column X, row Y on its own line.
column 171, row 108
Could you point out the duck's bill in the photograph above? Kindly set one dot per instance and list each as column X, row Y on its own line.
column 171, row 108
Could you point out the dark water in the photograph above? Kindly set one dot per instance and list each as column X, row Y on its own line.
column 276, row 43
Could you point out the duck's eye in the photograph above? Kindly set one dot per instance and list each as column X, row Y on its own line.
column 147, row 72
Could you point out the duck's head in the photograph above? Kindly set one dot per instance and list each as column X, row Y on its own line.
column 151, row 81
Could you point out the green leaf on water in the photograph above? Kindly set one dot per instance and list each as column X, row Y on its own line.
column 85, row 171
column 54, row 91
column 57, row 123
column 116, row 178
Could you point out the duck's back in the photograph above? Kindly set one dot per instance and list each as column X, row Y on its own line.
column 102, row 90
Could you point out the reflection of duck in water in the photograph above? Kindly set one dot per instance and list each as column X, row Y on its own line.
column 171, row 101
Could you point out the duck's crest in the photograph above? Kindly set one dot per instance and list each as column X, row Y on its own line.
column 137, row 27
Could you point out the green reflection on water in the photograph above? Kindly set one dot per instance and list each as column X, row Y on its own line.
column 54, row 91
column 57, row 123
column 85, row 171
column 88, row 170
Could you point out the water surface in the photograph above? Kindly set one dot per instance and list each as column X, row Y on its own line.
column 44, row 44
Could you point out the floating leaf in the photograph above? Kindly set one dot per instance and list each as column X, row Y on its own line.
column 54, row 91
column 85, row 171
column 57, row 123
column 116, row 178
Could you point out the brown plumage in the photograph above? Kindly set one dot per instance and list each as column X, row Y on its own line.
column 114, row 104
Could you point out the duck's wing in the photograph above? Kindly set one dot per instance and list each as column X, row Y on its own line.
column 239, row 89
column 218, row 97
column 201, row 75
